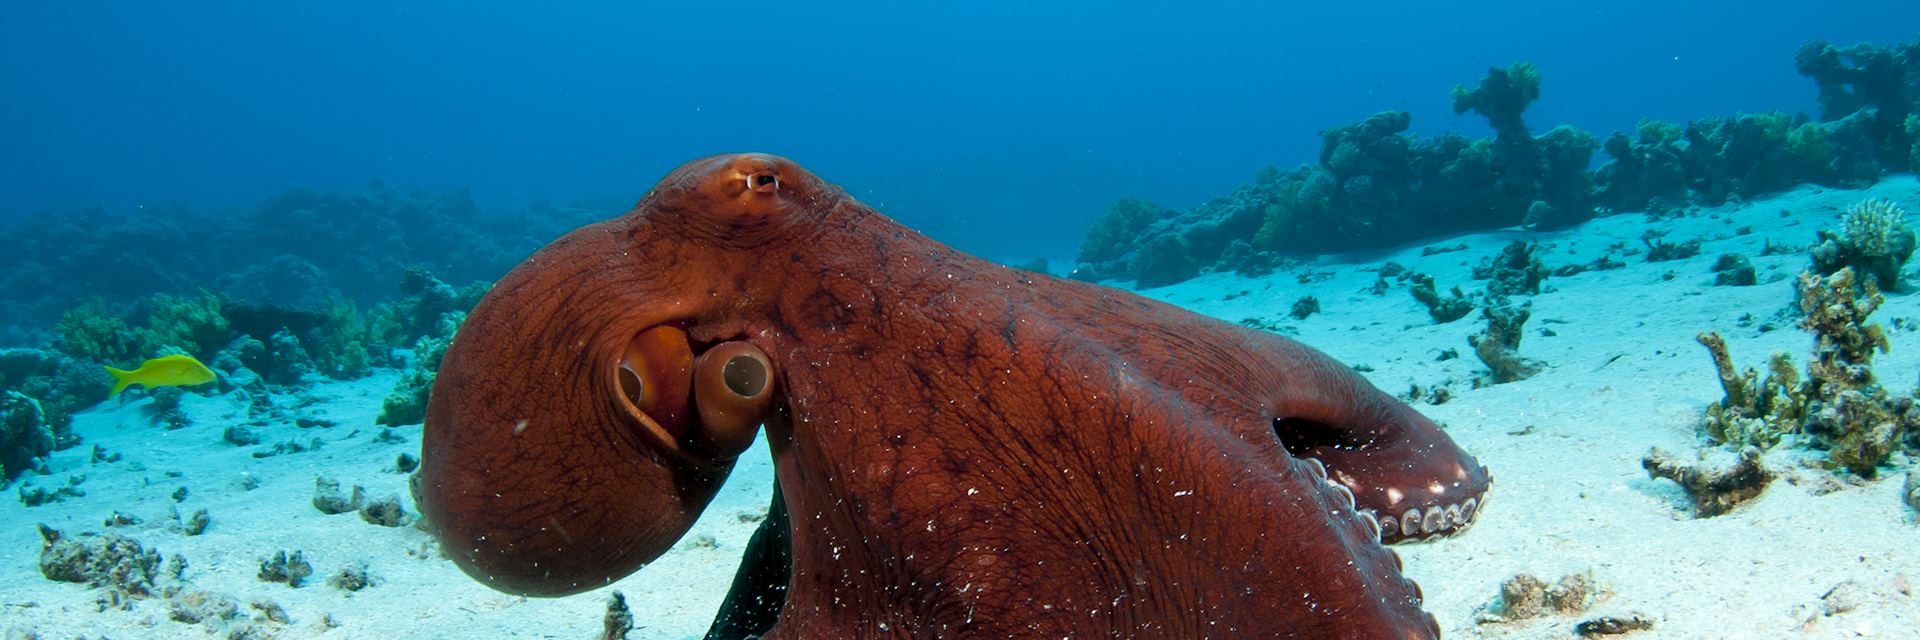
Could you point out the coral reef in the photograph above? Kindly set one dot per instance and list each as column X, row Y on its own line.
column 1846, row 407
column 1871, row 83
column 299, row 249
column 1116, row 235
column 1715, row 490
column 1374, row 185
column 196, row 606
column 1659, row 250
column 1612, row 626
column 166, row 410
column 25, row 436
column 1910, row 492
column 61, row 384
column 1499, row 345
column 1874, row 241
column 33, row 495
column 196, row 524
column 1754, row 412
column 619, row 619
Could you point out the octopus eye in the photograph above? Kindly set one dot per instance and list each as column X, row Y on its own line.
column 745, row 376
column 656, row 376
column 763, row 182
column 733, row 394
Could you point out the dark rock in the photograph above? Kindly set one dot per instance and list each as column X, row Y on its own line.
column 385, row 512
column 291, row 569
column 329, row 500
column 104, row 560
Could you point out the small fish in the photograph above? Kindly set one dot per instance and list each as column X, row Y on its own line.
column 164, row 371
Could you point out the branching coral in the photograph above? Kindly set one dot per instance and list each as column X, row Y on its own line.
column 1839, row 405
column 193, row 324
column 94, row 332
column 1754, row 412
column 1444, row 310
column 1846, row 406
column 1499, row 345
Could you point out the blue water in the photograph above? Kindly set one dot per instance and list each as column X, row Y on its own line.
column 149, row 150
column 1003, row 130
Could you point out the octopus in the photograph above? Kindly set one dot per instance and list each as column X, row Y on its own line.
column 960, row 449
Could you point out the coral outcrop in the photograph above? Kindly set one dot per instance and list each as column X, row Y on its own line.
column 1374, row 185
column 25, row 436
column 1874, row 240
column 104, row 560
column 1838, row 405
column 1499, row 345
column 407, row 404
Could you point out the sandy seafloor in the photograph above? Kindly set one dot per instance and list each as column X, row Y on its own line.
column 1816, row 556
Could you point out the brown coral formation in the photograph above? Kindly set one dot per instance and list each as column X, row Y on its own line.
column 1715, row 490
column 1524, row 597
column 1499, row 345
column 1839, row 405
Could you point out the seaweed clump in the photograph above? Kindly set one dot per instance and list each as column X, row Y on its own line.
column 1838, row 405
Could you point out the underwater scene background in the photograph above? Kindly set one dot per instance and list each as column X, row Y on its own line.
column 1647, row 262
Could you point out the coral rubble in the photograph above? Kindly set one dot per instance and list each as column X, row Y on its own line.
column 291, row 569
column 104, row 560
column 1715, row 490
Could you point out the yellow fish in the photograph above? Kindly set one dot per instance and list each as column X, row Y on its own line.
column 164, row 371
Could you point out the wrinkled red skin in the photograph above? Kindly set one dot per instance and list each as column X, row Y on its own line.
column 965, row 450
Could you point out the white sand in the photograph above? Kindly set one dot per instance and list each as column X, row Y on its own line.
column 1570, row 497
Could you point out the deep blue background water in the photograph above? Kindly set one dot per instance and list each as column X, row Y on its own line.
column 1002, row 130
